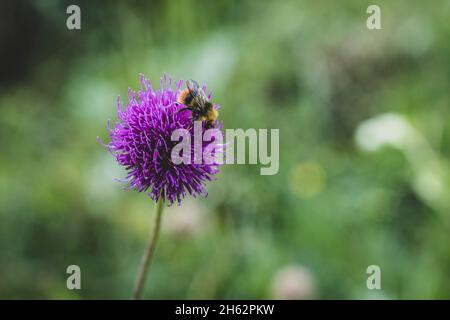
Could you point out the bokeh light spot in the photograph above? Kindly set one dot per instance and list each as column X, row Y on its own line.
column 307, row 179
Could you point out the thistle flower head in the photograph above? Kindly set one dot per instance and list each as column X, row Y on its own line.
column 141, row 142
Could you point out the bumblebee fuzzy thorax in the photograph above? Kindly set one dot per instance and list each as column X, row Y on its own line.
column 185, row 97
column 195, row 100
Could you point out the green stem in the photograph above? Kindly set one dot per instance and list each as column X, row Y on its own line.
column 148, row 254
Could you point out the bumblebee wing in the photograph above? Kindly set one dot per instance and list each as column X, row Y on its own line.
column 197, row 93
column 193, row 85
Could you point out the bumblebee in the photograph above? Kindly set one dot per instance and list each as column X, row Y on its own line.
column 198, row 103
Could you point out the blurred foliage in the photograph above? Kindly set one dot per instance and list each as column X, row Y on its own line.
column 353, row 189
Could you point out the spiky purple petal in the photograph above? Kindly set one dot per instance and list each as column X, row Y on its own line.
column 140, row 141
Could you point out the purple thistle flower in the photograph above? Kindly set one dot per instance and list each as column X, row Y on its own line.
column 141, row 142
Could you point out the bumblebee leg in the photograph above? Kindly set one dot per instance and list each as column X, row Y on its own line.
column 187, row 108
column 209, row 125
column 195, row 117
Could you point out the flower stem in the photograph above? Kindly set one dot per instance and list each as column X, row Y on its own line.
column 148, row 254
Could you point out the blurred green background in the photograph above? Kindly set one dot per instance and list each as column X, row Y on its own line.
column 364, row 149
